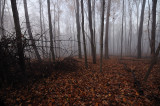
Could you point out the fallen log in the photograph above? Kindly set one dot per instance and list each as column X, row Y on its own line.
column 153, row 62
column 137, row 83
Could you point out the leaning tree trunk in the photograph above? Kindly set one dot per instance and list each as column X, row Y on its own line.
column 50, row 31
column 154, row 5
column 140, row 30
column 107, row 30
column 153, row 62
column 78, row 30
column 101, row 39
column 91, row 32
column 29, row 30
column 18, row 35
column 84, row 40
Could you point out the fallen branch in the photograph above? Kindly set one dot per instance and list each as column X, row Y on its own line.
column 137, row 83
column 153, row 62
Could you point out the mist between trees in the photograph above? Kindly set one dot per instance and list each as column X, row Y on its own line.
column 54, row 28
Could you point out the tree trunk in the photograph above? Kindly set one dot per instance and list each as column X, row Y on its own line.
column 44, row 27
column 84, row 40
column 101, row 38
column 2, row 17
column 54, row 30
column 40, row 7
column 107, row 30
column 154, row 5
column 29, row 30
column 130, row 28
column 140, row 30
column 91, row 32
column 18, row 35
column 94, row 23
column 122, row 31
column 58, row 30
column 125, row 31
column 50, row 31
column 149, row 16
column 78, row 30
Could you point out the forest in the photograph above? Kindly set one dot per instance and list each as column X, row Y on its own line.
column 79, row 52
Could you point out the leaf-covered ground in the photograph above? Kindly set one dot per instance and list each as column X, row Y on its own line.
column 113, row 86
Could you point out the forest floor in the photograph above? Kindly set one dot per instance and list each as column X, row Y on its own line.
column 113, row 86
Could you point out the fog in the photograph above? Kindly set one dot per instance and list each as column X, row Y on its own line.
column 65, row 30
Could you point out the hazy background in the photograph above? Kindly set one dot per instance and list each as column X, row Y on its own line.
column 67, row 21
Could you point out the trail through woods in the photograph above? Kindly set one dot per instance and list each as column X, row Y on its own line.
column 113, row 86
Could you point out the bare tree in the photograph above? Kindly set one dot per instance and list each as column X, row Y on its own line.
column 154, row 6
column 149, row 17
column 94, row 22
column 41, row 27
column 122, row 29
column 50, row 31
column 78, row 30
column 18, row 35
column 2, row 17
column 44, row 28
column 137, row 2
column 102, row 30
column 140, row 30
column 84, row 40
column 107, row 29
column 54, row 31
column 58, row 26
column 130, row 26
column 29, row 30
column 91, row 32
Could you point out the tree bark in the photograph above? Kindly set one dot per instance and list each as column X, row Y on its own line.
column 18, row 35
column 107, row 30
column 91, row 32
column 154, row 5
column 140, row 30
column 50, row 31
column 78, row 30
column 29, row 30
column 84, row 40
column 101, row 38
